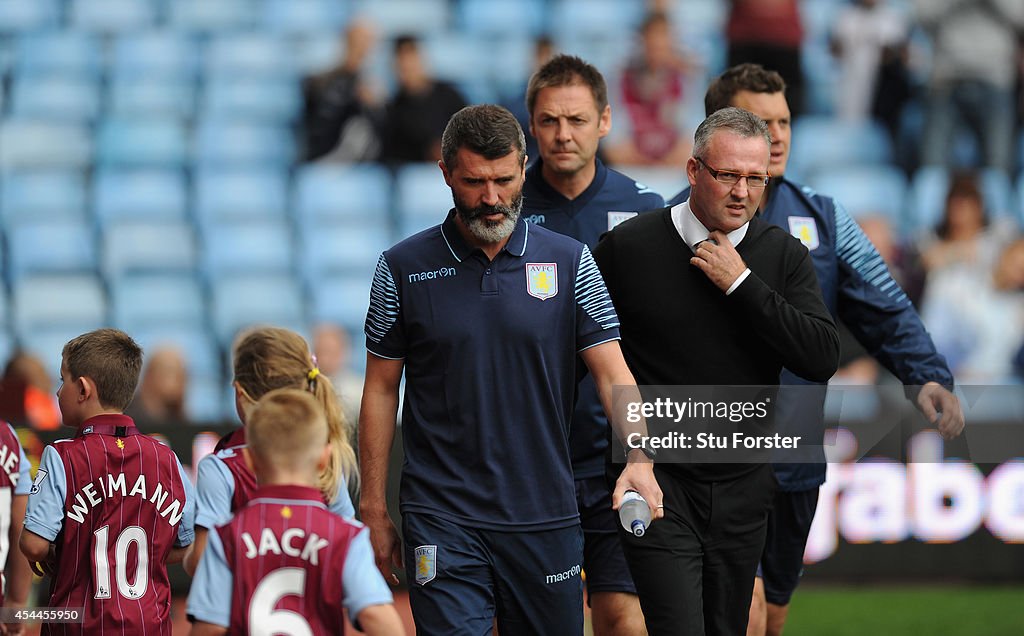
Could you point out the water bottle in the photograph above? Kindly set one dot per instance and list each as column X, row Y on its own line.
column 634, row 513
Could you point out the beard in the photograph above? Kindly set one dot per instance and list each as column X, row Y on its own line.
column 487, row 231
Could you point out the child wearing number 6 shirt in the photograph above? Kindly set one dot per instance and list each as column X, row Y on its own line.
column 285, row 563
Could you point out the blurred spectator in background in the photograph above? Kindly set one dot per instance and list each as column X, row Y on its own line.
column 333, row 351
column 161, row 397
column 342, row 114
column 419, row 110
column 976, row 316
column 650, row 102
column 27, row 394
column 903, row 260
column 769, row 33
column 963, row 237
column 857, row 366
column 543, row 50
column 868, row 43
column 974, row 70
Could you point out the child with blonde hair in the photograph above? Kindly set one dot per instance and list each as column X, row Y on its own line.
column 265, row 359
column 284, row 564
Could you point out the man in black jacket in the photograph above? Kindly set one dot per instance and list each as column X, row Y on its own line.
column 708, row 296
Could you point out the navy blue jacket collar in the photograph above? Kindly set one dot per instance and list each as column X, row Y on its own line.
column 535, row 175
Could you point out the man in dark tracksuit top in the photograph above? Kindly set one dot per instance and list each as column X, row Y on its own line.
column 485, row 315
column 857, row 289
column 570, row 191
column 708, row 296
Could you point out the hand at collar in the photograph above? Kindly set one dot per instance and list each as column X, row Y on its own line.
column 720, row 262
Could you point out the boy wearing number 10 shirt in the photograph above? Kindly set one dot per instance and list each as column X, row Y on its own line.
column 109, row 508
column 285, row 564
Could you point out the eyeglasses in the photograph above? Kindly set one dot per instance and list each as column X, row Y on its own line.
column 754, row 181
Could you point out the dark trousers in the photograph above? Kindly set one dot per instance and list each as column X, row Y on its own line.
column 694, row 569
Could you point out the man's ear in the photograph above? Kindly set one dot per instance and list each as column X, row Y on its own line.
column 604, row 123
column 444, row 171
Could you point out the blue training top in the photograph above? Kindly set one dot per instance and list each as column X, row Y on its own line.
column 859, row 290
column 611, row 198
column 490, row 352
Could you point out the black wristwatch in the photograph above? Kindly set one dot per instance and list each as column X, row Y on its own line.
column 646, row 450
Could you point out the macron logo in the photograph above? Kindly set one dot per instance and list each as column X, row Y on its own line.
column 444, row 272
column 558, row 577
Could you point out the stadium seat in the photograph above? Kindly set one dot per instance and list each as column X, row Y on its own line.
column 111, row 16
column 248, row 55
column 155, row 55
column 164, row 97
column 821, row 142
column 392, row 17
column 316, row 53
column 238, row 195
column 54, row 97
column 47, row 343
column 665, row 181
column 48, row 301
column 247, row 247
column 258, row 100
column 331, row 250
column 69, row 52
column 422, row 197
column 149, row 301
column 348, row 194
column 50, row 247
column 304, row 17
column 343, row 300
column 595, row 18
column 499, row 18
column 137, row 246
column 42, row 196
column 205, row 16
column 205, row 401
column 22, row 16
column 455, row 57
column 865, row 190
column 252, row 299
column 201, row 350
column 29, row 143
column 930, row 185
column 149, row 194
column 224, row 142
column 142, row 142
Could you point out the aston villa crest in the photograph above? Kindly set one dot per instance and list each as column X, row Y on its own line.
column 542, row 280
column 426, row 564
column 805, row 229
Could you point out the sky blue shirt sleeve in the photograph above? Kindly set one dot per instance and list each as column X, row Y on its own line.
column 342, row 504
column 214, row 488
column 187, row 527
column 24, row 478
column 209, row 598
column 45, row 513
column 363, row 584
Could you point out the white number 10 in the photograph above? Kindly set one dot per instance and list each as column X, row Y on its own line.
column 101, row 565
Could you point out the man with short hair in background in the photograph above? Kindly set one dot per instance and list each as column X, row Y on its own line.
column 569, row 190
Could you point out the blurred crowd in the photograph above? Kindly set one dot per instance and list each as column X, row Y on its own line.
column 943, row 80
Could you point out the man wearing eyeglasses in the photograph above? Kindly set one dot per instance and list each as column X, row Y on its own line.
column 857, row 289
column 709, row 296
